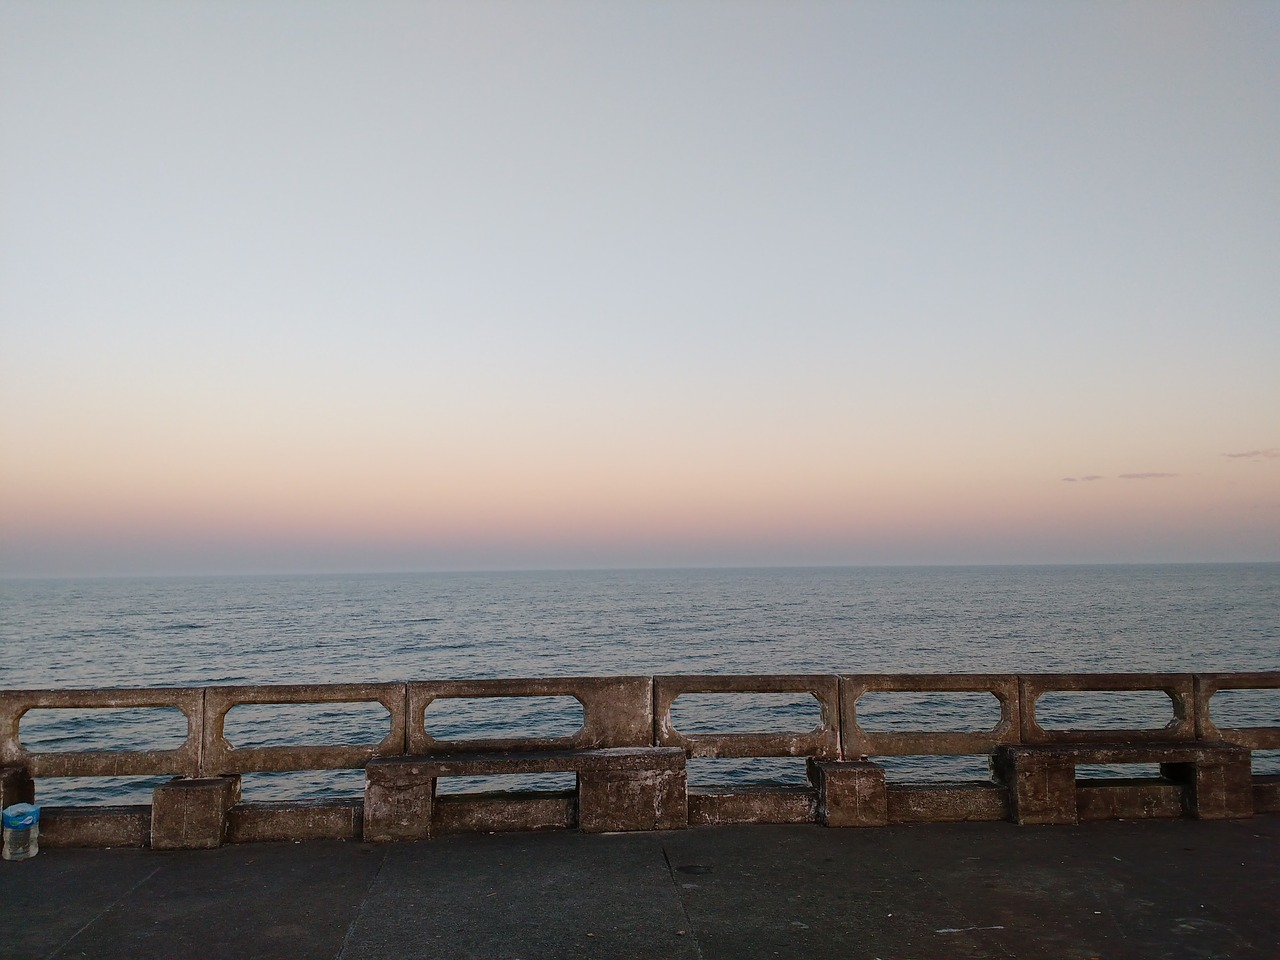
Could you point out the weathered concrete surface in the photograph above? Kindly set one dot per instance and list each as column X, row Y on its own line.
column 524, row 896
column 1153, row 889
column 1180, row 688
column 1207, row 684
column 619, row 788
column 183, row 761
column 822, row 742
column 96, row 826
column 859, row 742
column 713, row 806
column 1042, row 781
column 191, row 814
column 257, row 900
column 850, row 794
column 219, row 757
column 947, row 802
column 616, row 712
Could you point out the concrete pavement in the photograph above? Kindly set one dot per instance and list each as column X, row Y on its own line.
column 1142, row 890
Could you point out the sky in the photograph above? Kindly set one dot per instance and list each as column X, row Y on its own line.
column 321, row 286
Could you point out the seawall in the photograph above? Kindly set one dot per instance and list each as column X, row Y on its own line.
column 629, row 756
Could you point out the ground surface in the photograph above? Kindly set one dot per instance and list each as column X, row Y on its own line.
column 1148, row 890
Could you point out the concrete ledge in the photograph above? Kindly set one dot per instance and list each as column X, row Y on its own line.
column 713, row 805
column 1266, row 794
column 1214, row 777
column 947, row 803
column 504, row 812
column 619, row 788
column 1129, row 799
column 264, row 822
column 95, row 826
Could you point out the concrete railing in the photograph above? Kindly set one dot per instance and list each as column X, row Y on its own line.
column 632, row 717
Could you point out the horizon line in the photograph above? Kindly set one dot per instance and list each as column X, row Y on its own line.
column 657, row 568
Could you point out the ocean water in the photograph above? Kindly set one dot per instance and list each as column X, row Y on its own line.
column 278, row 629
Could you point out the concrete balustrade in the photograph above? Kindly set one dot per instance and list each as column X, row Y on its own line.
column 218, row 756
column 617, row 712
column 859, row 742
column 1208, row 684
column 182, row 761
column 629, row 756
column 1179, row 687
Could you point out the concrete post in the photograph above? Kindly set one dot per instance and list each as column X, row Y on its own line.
column 1214, row 791
column 16, row 786
column 611, row 801
column 1042, row 787
column 398, row 811
column 850, row 794
column 191, row 814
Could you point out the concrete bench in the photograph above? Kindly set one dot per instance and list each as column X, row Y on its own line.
column 1216, row 778
column 619, row 788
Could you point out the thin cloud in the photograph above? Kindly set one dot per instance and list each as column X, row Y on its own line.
column 1085, row 479
column 1271, row 453
column 1146, row 476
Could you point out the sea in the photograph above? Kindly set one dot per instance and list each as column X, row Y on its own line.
column 176, row 631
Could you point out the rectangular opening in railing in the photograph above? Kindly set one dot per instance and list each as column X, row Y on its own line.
column 301, row 727
column 1241, row 708
column 1105, row 710
column 1108, row 708
column 452, row 719
column 1266, row 763
column 96, row 791
column 1117, row 771
column 116, row 732
column 1232, row 709
column 937, row 768
column 749, row 716
column 885, row 715
column 299, row 786
column 552, row 713
column 716, row 713
column 500, row 783
column 747, row 773
column 100, row 729
column 929, row 712
column 306, row 724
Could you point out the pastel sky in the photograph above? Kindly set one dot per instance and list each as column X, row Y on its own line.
column 305, row 286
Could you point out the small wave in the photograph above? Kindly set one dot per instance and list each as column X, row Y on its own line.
column 178, row 627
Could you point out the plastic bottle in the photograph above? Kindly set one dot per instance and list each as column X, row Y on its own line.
column 21, row 831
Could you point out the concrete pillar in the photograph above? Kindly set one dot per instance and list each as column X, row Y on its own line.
column 850, row 794
column 611, row 801
column 1042, row 786
column 1215, row 791
column 191, row 814
column 397, row 811
column 16, row 786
